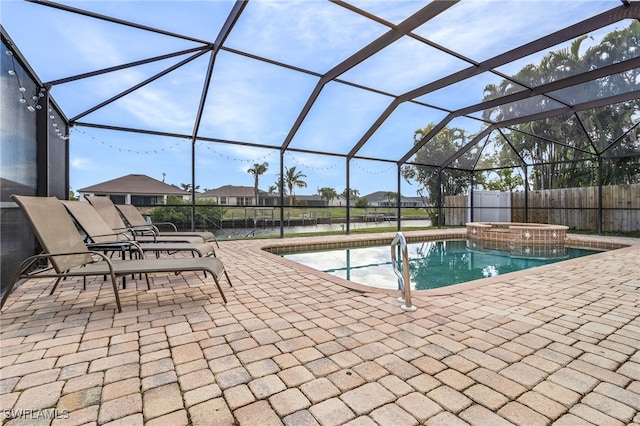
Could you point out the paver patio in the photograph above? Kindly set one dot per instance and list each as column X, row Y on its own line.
column 557, row 344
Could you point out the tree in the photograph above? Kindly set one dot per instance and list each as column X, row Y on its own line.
column 362, row 203
column 256, row 171
column 179, row 213
column 505, row 180
column 391, row 198
column 571, row 162
column 327, row 194
column 354, row 194
column 426, row 171
column 293, row 179
column 187, row 187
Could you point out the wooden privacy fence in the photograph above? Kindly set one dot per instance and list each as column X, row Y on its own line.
column 577, row 208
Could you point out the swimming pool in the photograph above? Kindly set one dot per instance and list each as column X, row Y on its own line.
column 432, row 264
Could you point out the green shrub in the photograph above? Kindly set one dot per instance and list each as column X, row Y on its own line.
column 178, row 212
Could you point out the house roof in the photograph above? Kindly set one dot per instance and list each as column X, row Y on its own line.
column 231, row 191
column 135, row 184
column 377, row 196
column 9, row 187
column 382, row 196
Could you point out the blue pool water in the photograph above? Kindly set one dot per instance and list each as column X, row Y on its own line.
column 432, row 264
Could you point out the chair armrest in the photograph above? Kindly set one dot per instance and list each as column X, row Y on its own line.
column 130, row 244
column 169, row 224
column 33, row 259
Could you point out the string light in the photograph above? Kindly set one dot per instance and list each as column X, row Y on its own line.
column 131, row 151
column 33, row 104
column 23, row 99
column 109, row 145
column 371, row 172
column 315, row 168
column 260, row 159
column 256, row 160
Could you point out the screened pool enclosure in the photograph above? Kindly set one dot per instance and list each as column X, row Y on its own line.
column 423, row 101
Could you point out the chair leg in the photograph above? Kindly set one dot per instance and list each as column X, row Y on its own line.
column 114, row 284
column 193, row 254
column 58, row 282
column 219, row 288
column 10, row 287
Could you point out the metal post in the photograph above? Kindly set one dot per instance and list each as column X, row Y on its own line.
column 471, row 200
column 600, row 212
column 193, row 184
column 399, row 201
column 281, row 189
column 526, row 194
column 42, row 148
column 440, row 210
column 348, row 196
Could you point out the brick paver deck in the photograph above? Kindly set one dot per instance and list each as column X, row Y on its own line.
column 558, row 344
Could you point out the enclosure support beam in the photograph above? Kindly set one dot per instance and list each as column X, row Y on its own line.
column 471, row 198
column 399, row 199
column 440, row 210
column 599, row 224
column 281, row 189
column 348, row 195
column 42, row 156
column 526, row 193
column 414, row 21
column 193, row 185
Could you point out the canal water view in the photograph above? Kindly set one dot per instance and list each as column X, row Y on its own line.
column 275, row 231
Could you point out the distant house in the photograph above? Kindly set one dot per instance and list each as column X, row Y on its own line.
column 140, row 190
column 10, row 187
column 381, row 199
column 232, row 195
column 317, row 201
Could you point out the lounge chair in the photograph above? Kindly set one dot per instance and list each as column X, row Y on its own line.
column 99, row 236
column 138, row 223
column 111, row 215
column 65, row 250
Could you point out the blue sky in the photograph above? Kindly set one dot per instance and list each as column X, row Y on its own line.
column 255, row 102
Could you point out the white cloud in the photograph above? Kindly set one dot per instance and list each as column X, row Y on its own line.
column 158, row 109
column 81, row 163
column 90, row 41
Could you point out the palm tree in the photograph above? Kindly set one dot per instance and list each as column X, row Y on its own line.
column 555, row 164
column 391, row 198
column 293, row 178
column 327, row 194
column 354, row 194
column 187, row 187
column 256, row 171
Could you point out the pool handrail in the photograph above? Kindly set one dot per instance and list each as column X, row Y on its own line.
column 404, row 281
